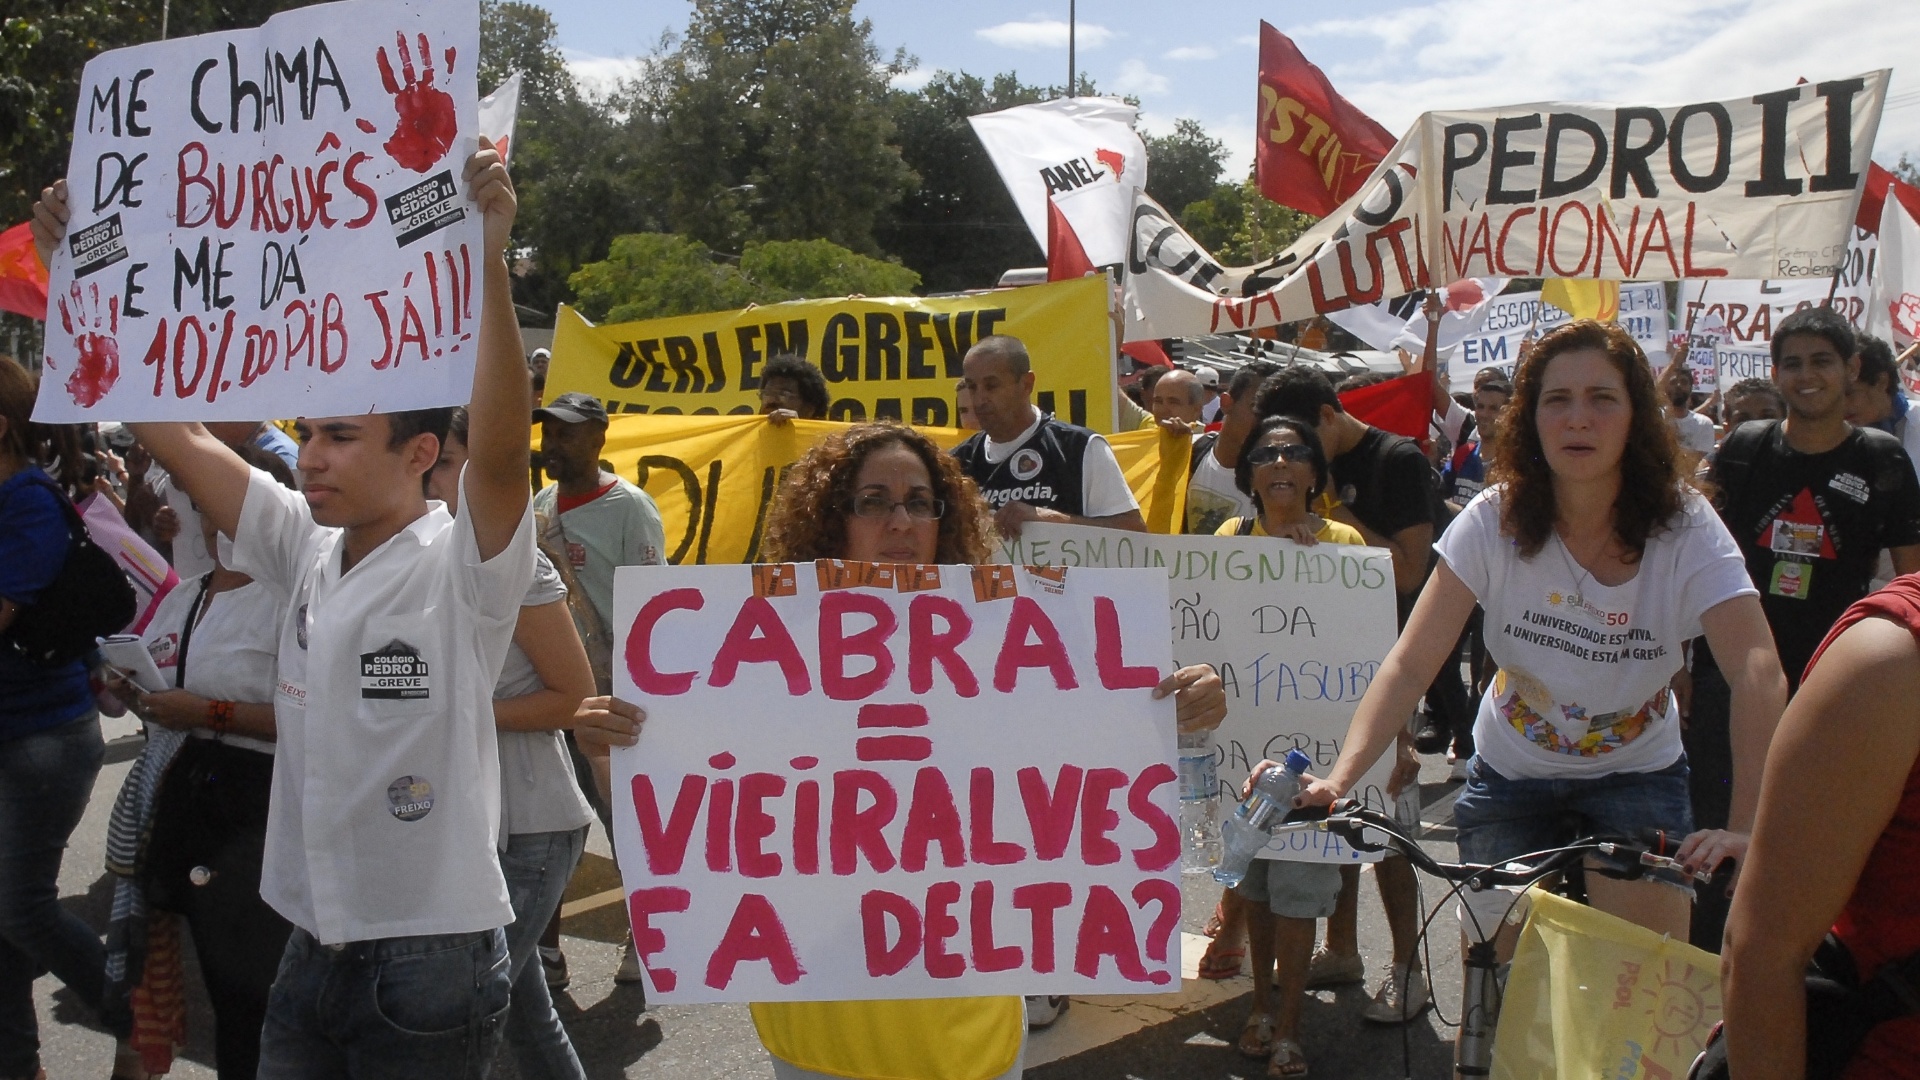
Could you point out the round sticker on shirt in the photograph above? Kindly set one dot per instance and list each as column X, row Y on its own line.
column 410, row 798
column 1025, row 464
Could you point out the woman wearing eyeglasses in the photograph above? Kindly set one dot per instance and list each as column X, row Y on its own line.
column 884, row 493
column 1283, row 472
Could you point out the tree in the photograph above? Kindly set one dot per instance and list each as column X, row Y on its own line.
column 1184, row 167
column 522, row 37
column 803, row 269
column 656, row 275
column 1239, row 226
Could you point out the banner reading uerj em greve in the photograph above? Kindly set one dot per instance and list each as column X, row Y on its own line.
column 889, row 358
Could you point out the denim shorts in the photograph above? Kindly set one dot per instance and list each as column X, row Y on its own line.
column 1500, row 819
column 1297, row 890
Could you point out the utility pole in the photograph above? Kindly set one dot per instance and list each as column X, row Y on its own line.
column 1072, row 77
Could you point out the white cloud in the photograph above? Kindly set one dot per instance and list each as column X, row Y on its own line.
column 912, row 81
column 1192, row 52
column 598, row 76
column 1043, row 34
column 1136, row 78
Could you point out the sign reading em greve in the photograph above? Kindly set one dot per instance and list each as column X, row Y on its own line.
column 868, row 781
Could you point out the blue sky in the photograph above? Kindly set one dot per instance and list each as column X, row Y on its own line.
column 1393, row 59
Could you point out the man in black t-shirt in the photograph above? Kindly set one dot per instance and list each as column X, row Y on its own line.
column 1812, row 501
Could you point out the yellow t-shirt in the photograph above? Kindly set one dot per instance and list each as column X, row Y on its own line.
column 907, row 1039
column 1331, row 531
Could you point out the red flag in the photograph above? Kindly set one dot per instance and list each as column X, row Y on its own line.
column 1148, row 352
column 1065, row 257
column 1312, row 148
column 1874, row 196
column 1403, row 406
column 23, row 281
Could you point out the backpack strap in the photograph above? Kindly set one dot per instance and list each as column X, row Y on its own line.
column 1733, row 463
column 1202, row 446
column 1245, row 528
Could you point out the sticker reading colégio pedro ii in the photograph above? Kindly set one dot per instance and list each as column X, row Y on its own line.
column 395, row 670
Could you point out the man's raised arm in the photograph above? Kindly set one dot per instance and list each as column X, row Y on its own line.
column 201, row 465
column 499, row 417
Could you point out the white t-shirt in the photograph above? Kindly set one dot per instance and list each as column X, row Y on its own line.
column 1695, row 433
column 386, row 806
column 190, row 555
column 1103, row 487
column 1582, row 665
column 230, row 655
column 538, row 790
column 1212, row 497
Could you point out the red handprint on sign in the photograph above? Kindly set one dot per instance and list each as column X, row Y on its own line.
column 94, row 331
column 427, row 124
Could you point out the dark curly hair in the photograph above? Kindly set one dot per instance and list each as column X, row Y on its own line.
column 1651, row 480
column 806, row 379
column 1243, row 469
column 808, row 520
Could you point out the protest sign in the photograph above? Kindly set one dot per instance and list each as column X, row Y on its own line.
column 1296, row 633
column 1762, row 186
column 499, row 111
column 1896, row 295
column 714, row 477
column 1070, row 145
column 1748, row 310
column 867, row 780
column 149, row 574
column 272, row 222
column 896, row 358
column 1514, row 317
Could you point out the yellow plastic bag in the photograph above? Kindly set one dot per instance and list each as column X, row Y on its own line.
column 1591, row 995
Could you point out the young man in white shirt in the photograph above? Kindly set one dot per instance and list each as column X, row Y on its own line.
column 386, row 803
column 1030, row 466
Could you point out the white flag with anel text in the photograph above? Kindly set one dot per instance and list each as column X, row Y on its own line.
column 1070, row 145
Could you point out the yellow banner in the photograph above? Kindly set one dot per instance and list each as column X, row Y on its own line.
column 714, row 477
column 894, row 358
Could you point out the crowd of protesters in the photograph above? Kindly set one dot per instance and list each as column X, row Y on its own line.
column 1738, row 535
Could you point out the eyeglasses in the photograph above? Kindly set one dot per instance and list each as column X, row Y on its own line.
column 918, row 507
column 1272, row 452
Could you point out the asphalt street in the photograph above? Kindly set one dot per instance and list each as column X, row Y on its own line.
column 1185, row 1036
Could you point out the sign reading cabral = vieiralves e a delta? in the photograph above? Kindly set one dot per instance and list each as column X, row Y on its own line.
column 868, row 781
column 272, row 221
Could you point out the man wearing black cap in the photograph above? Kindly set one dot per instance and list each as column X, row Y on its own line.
column 591, row 522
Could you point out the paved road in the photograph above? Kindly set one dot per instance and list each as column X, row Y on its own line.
column 1188, row 1036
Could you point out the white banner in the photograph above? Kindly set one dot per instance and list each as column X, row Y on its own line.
column 1070, row 145
column 1296, row 633
column 1402, row 323
column 1895, row 298
column 1740, row 314
column 1758, row 186
column 1514, row 317
column 885, row 781
column 271, row 222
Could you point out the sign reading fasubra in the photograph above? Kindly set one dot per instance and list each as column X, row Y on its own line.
column 271, row 222
column 867, row 780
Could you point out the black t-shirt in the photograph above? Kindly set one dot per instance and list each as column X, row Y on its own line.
column 1389, row 485
column 1812, row 525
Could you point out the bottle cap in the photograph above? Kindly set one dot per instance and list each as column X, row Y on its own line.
column 1297, row 762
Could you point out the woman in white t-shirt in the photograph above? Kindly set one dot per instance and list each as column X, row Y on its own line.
column 1594, row 562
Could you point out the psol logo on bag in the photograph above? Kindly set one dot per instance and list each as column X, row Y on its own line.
column 1026, row 464
column 410, row 798
column 395, row 670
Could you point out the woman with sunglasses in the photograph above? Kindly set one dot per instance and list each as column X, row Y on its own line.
column 1283, row 472
column 879, row 492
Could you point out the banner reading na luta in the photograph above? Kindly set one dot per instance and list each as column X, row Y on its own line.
column 714, row 477
column 889, row 358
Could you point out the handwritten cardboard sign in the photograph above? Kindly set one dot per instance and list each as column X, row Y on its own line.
column 271, row 222
column 1296, row 633
column 868, row 781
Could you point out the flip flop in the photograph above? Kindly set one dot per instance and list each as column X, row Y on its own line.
column 1214, row 923
column 1261, row 1026
column 1288, row 1061
column 1221, row 961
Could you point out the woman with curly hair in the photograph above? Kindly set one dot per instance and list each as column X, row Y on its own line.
column 1594, row 561
column 879, row 492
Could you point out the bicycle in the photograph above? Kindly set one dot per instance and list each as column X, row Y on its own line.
column 1619, row 857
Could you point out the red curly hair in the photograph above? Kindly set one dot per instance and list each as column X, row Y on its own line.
column 808, row 520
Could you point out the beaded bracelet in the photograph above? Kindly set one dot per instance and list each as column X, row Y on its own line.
column 219, row 716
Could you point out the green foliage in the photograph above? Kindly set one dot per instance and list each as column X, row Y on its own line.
column 1184, row 167
column 1240, row 227
column 655, row 275
column 522, row 37
column 1908, row 170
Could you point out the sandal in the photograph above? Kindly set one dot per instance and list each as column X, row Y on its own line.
column 1214, row 923
column 1221, row 961
column 1289, row 1062
column 1260, row 1026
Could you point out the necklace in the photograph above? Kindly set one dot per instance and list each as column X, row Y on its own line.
column 1580, row 572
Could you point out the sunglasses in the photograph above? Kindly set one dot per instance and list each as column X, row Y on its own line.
column 1272, row 452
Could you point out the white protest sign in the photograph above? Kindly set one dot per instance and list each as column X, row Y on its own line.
column 272, row 222
column 1748, row 310
column 1896, row 296
column 1513, row 317
column 1296, row 633
column 1759, row 186
column 877, row 781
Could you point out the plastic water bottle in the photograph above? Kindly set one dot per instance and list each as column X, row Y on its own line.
column 1247, row 829
column 1199, row 804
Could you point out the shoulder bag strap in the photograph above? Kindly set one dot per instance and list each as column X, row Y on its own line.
column 186, row 632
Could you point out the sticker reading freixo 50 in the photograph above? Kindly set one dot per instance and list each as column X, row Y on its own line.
column 410, row 798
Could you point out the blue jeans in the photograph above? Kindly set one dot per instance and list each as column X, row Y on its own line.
column 1501, row 819
column 408, row 1008
column 537, row 867
column 45, row 780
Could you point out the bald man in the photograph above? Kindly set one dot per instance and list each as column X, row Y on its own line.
column 1178, row 397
